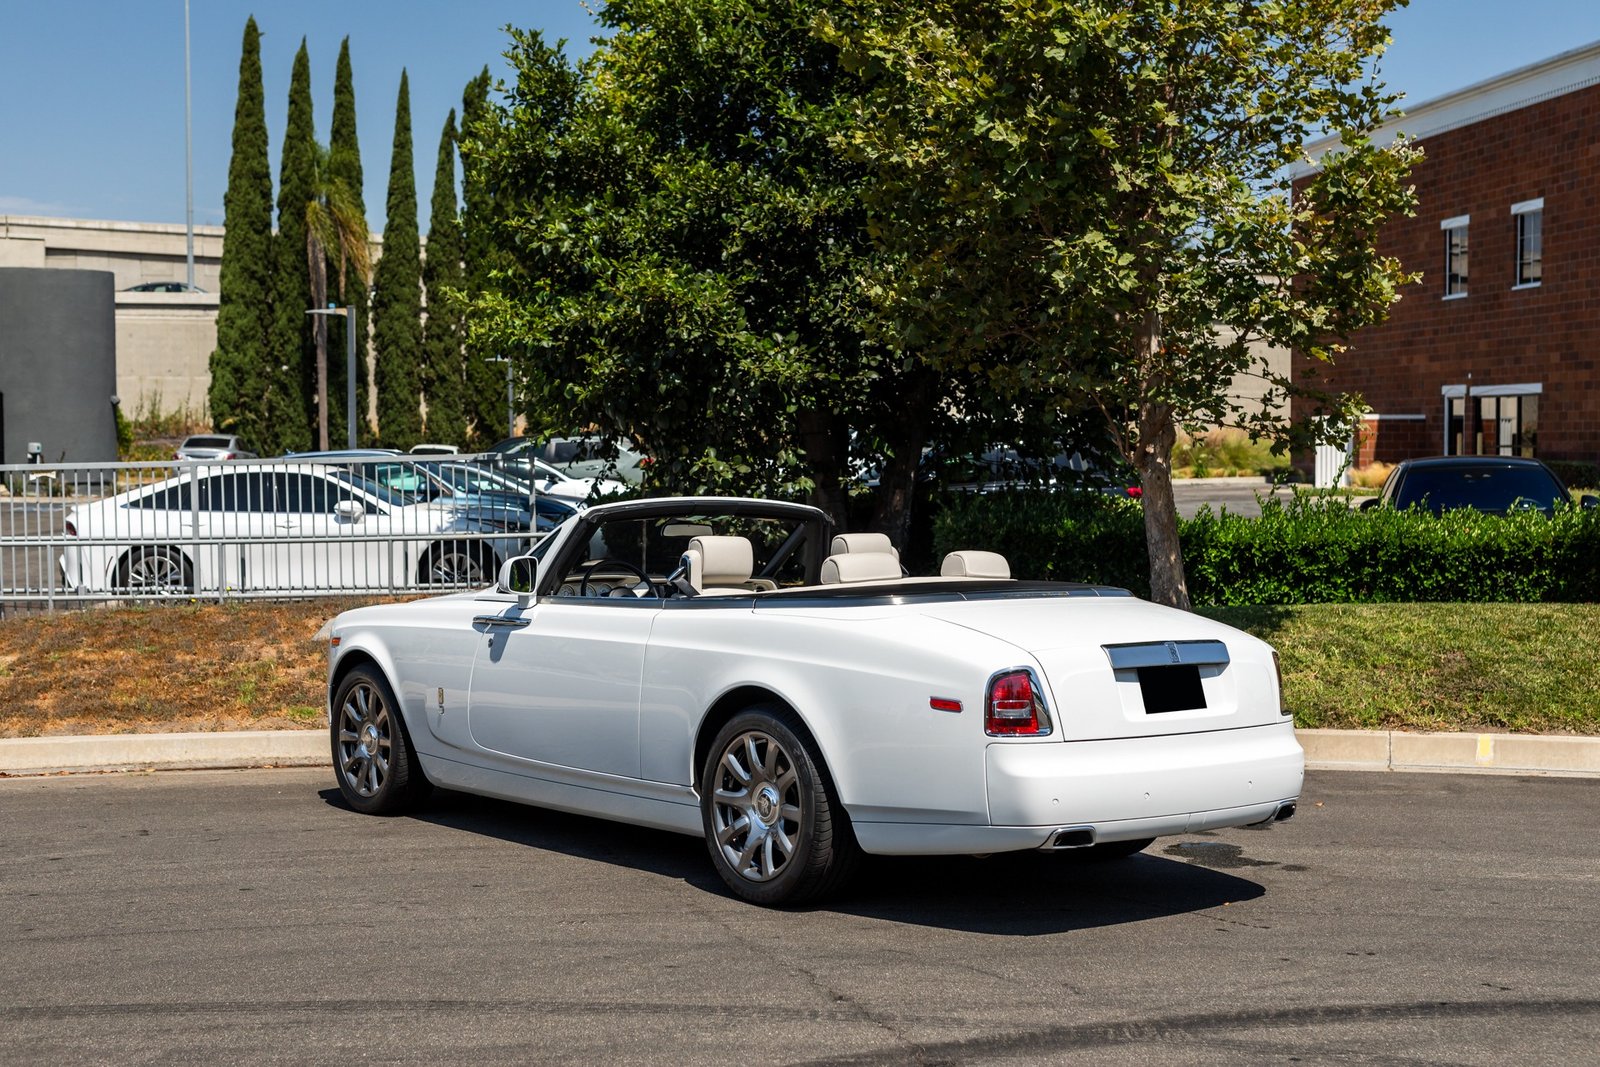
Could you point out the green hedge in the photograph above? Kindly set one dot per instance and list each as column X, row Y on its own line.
column 1576, row 473
column 1309, row 550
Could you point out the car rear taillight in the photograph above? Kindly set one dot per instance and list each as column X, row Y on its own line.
column 1278, row 669
column 1135, row 491
column 72, row 528
column 177, row 455
column 1015, row 706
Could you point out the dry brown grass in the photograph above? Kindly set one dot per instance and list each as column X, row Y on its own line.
column 1372, row 476
column 164, row 668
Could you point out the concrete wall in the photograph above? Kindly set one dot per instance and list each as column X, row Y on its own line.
column 163, row 340
column 57, row 364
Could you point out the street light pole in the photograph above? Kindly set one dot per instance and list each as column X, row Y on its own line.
column 188, row 146
column 349, row 313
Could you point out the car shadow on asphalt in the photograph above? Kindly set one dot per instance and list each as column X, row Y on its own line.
column 1008, row 894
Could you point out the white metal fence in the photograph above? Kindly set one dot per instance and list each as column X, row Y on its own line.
column 72, row 534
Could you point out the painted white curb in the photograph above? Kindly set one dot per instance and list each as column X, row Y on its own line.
column 164, row 752
column 1373, row 750
column 1393, row 750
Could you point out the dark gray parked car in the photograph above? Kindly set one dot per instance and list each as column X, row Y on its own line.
column 1492, row 484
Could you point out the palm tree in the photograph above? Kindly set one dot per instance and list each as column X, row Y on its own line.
column 335, row 230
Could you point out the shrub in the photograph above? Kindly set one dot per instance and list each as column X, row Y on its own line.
column 1225, row 451
column 1310, row 550
column 1576, row 473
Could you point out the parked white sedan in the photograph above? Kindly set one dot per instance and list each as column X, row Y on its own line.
column 275, row 527
column 731, row 669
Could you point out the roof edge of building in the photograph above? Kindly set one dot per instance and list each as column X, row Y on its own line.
column 1558, row 75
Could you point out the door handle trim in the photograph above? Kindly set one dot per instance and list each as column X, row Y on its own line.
column 508, row 622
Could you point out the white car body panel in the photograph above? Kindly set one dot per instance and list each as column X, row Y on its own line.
column 236, row 550
column 597, row 706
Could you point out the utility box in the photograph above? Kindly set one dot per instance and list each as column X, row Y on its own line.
column 58, row 366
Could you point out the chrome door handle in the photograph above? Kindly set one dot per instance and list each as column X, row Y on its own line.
column 500, row 620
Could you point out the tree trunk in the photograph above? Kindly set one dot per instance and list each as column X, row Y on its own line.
column 1157, row 434
column 826, row 444
column 897, row 482
column 319, row 330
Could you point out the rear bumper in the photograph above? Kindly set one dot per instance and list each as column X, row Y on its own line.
column 1118, row 789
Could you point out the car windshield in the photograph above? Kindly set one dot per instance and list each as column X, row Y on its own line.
column 373, row 489
column 658, row 543
column 1485, row 488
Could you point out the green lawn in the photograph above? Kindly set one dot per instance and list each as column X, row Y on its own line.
column 1493, row 667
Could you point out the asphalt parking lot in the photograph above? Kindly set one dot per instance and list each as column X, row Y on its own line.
column 1398, row 919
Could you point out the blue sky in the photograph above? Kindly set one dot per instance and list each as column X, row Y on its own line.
column 91, row 91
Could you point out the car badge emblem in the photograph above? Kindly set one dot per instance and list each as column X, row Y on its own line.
column 1172, row 650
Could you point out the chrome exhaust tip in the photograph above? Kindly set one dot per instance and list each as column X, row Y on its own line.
column 1285, row 812
column 1072, row 837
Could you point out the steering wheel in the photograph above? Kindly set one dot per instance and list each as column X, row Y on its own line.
column 615, row 564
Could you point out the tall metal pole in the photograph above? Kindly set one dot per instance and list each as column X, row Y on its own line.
column 350, row 374
column 188, row 145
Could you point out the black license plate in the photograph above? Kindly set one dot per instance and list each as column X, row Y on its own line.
column 1174, row 688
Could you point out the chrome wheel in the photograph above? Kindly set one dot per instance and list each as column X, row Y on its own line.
column 154, row 570
column 365, row 744
column 455, row 566
column 756, row 806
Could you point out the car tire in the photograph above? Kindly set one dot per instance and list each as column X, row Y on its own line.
column 377, row 770
column 155, row 569
column 457, row 563
column 1116, row 850
column 774, row 826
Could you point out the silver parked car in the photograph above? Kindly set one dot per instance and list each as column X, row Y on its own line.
column 213, row 446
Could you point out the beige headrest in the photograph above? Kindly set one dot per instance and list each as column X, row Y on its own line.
column 845, row 544
column 860, row 567
column 974, row 564
column 721, row 561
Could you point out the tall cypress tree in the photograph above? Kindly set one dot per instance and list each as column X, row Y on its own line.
column 444, row 381
column 344, row 166
column 484, row 401
column 289, row 403
column 397, row 295
column 244, row 312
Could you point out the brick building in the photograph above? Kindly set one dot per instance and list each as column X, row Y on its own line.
column 1495, row 349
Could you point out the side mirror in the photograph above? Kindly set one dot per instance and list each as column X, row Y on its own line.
column 1590, row 503
column 519, row 575
column 349, row 511
column 1370, row 503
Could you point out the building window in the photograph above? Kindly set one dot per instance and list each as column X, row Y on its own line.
column 1455, row 256
column 1502, row 423
column 1529, row 216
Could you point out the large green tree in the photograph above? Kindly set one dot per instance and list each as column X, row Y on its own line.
column 444, row 381
column 1092, row 200
column 483, row 399
column 244, row 313
column 348, row 288
column 397, row 294
column 287, row 407
column 681, row 252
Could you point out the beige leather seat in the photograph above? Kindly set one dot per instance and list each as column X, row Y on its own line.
column 847, row 544
column 971, row 563
column 721, row 566
column 854, row 566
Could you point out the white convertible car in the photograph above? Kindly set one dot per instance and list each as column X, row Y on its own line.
column 731, row 669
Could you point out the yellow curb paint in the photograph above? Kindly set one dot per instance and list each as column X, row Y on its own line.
column 1485, row 748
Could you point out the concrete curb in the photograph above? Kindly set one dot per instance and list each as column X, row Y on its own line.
column 1392, row 750
column 1367, row 750
column 163, row 752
